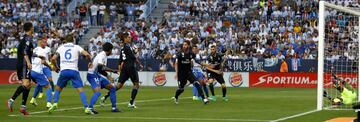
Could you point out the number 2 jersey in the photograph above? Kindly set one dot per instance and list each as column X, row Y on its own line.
column 128, row 57
column 69, row 56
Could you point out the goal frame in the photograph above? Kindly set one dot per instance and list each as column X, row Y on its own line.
column 321, row 46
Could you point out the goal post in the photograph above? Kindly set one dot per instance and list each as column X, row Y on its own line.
column 321, row 36
column 325, row 51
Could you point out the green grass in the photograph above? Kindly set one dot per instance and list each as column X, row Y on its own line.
column 154, row 104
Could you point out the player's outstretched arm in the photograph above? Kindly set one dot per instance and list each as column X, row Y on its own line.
column 210, row 68
column 43, row 61
column 213, row 70
column 176, row 68
column 106, row 69
column 87, row 55
column 335, row 77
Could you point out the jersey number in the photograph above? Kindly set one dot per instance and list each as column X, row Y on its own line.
column 68, row 54
column 123, row 55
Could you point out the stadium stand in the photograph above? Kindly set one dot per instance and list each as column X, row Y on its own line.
column 241, row 29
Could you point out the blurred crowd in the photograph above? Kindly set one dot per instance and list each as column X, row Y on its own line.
column 241, row 29
column 49, row 19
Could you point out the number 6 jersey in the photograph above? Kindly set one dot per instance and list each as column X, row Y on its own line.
column 69, row 56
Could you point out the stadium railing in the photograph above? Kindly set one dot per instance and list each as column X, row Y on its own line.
column 151, row 4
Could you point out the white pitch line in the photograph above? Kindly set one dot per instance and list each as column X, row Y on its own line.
column 293, row 116
column 74, row 108
column 149, row 118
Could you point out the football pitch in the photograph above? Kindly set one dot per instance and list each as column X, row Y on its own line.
column 154, row 104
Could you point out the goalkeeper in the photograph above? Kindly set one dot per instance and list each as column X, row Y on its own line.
column 347, row 92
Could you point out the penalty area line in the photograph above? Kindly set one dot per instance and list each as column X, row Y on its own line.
column 294, row 116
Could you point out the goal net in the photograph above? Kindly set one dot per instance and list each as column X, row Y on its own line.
column 338, row 55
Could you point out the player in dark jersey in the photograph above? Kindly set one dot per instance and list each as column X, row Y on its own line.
column 127, row 69
column 23, row 68
column 183, row 68
column 214, row 70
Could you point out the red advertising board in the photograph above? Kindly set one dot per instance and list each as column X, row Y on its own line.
column 268, row 79
column 8, row 77
column 351, row 78
column 299, row 80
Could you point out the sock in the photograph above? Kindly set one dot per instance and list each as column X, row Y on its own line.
column 40, row 89
column 133, row 95
column 178, row 92
column 52, row 86
column 198, row 95
column 93, row 99
column 83, row 99
column 37, row 90
column 194, row 90
column 56, row 96
column 198, row 87
column 107, row 95
column 18, row 91
column 206, row 91
column 224, row 91
column 113, row 97
column 49, row 95
column 211, row 86
column 25, row 96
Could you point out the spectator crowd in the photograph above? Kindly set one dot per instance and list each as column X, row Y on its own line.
column 48, row 18
column 241, row 29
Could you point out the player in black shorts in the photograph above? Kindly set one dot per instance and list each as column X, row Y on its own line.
column 214, row 71
column 127, row 69
column 23, row 68
column 183, row 68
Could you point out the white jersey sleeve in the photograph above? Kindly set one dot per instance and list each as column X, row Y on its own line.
column 69, row 56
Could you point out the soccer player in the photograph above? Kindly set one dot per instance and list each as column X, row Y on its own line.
column 97, row 77
column 37, row 74
column 127, row 70
column 199, row 76
column 69, row 56
column 214, row 68
column 347, row 92
column 183, row 68
column 23, row 67
column 47, row 70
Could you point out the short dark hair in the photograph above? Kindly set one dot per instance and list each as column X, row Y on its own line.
column 28, row 26
column 69, row 38
column 125, row 35
column 187, row 42
column 107, row 47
